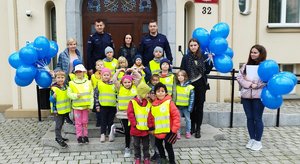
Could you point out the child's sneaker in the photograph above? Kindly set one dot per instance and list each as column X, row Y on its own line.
column 80, row 140
column 188, row 135
column 111, row 136
column 127, row 152
column 102, row 138
column 86, row 139
column 250, row 143
column 256, row 146
column 155, row 157
column 178, row 136
column 137, row 161
column 61, row 143
column 146, row 161
column 65, row 139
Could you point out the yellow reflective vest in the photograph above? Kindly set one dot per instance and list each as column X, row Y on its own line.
column 63, row 103
column 121, row 74
column 141, row 114
column 124, row 96
column 154, row 67
column 169, row 82
column 107, row 94
column 85, row 91
column 112, row 65
column 95, row 78
column 161, row 114
column 183, row 95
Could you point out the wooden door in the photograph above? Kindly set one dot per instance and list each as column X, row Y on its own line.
column 121, row 17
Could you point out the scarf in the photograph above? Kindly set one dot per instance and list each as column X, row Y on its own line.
column 196, row 67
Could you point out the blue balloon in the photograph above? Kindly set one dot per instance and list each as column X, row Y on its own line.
column 267, row 69
column 202, row 36
column 26, row 72
column 53, row 49
column 280, row 85
column 223, row 63
column 218, row 45
column 290, row 75
column 14, row 60
column 269, row 100
column 219, row 30
column 42, row 46
column 229, row 52
column 21, row 82
column 47, row 61
column 43, row 79
column 28, row 55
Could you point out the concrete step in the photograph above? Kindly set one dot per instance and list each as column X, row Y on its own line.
column 209, row 136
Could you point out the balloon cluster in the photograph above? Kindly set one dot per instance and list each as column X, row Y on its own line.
column 278, row 83
column 215, row 43
column 31, row 62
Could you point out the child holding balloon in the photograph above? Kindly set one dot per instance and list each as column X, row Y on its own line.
column 251, row 87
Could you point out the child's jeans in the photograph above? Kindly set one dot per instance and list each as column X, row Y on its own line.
column 187, row 116
column 59, row 122
column 81, row 122
column 137, row 141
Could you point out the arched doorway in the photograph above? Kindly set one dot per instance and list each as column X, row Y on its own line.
column 121, row 17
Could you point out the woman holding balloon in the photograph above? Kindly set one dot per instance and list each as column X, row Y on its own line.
column 251, row 87
column 197, row 66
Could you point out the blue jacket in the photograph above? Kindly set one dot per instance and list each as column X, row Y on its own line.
column 149, row 42
column 95, row 48
column 64, row 61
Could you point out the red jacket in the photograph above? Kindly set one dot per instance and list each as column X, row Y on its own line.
column 131, row 117
column 174, row 117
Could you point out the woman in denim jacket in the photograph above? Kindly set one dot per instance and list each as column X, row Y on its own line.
column 250, row 97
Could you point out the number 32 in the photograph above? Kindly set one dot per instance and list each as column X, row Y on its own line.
column 206, row 10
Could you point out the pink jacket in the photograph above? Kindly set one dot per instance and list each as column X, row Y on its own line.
column 246, row 90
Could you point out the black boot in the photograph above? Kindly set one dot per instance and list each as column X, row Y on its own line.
column 198, row 132
column 192, row 128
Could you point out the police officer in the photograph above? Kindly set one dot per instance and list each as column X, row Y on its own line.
column 97, row 44
column 150, row 41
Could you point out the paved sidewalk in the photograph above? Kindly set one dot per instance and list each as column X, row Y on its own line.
column 20, row 143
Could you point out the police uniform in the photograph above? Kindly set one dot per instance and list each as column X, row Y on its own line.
column 96, row 46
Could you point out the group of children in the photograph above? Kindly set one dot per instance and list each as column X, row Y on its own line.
column 147, row 112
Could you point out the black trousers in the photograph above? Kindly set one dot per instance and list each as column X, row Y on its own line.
column 197, row 113
column 108, row 114
column 161, row 150
column 137, row 141
column 125, row 130
column 59, row 122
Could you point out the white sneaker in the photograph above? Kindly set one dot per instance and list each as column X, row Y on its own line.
column 102, row 138
column 256, row 146
column 250, row 143
column 111, row 136
column 127, row 152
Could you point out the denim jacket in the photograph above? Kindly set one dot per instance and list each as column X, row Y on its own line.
column 64, row 61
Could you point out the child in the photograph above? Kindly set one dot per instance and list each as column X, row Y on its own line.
column 184, row 100
column 81, row 93
column 166, row 130
column 126, row 91
column 123, row 64
column 105, row 101
column 72, row 74
column 58, row 94
column 154, row 64
column 138, row 111
column 145, row 72
column 110, row 62
column 94, row 79
column 167, row 77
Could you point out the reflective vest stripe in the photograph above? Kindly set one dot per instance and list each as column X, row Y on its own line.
column 154, row 67
column 107, row 94
column 169, row 82
column 63, row 103
column 84, row 89
column 161, row 114
column 124, row 96
column 183, row 95
column 141, row 115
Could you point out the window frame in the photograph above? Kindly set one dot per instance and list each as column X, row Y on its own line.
column 283, row 23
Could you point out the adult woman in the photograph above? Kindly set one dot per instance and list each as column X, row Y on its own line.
column 196, row 66
column 251, row 88
column 128, row 50
column 66, row 58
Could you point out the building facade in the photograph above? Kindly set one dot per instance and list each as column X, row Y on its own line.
column 274, row 24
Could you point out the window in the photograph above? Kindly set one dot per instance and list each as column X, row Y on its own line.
column 284, row 13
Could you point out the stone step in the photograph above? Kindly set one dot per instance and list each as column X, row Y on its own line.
column 209, row 136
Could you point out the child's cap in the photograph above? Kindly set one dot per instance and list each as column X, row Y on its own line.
column 137, row 57
column 76, row 62
column 108, row 49
column 158, row 48
column 129, row 77
column 79, row 67
column 164, row 60
column 143, row 89
column 104, row 70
